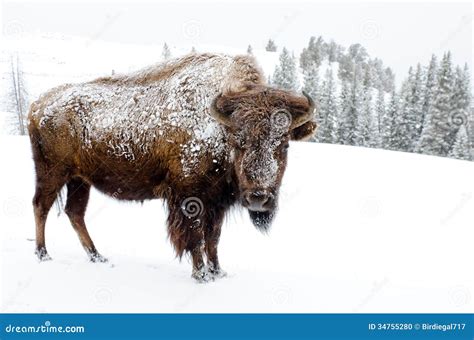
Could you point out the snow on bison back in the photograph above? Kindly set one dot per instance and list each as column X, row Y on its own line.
column 203, row 132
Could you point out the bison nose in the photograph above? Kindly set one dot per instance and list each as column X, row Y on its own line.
column 257, row 200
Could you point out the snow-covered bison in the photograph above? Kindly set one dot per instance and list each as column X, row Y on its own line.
column 202, row 132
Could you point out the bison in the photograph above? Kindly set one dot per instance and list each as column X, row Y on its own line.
column 203, row 133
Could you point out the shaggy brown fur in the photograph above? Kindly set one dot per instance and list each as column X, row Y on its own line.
column 196, row 202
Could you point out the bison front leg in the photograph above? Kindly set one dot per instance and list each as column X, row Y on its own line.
column 186, row 232
column 200, row 272
column 212, row 241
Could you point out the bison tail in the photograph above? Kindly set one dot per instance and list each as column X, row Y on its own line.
column 59, row 203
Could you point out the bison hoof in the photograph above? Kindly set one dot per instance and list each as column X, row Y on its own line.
column 97, row 258
column 202, row 276
column 42, row 255
column 218, row 273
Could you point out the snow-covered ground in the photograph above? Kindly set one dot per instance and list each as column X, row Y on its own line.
column 359, row 230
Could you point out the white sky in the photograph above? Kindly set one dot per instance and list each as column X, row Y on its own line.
column 401, row 34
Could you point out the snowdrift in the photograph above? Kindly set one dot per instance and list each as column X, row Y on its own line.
column 359, row 230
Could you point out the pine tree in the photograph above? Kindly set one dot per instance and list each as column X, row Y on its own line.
column 271, row 46
column 328, row 129
column 380, row 113
column 389, row 80
column 357, row 53
column 417, row 118
column 402, row 137
column 461, row 149
column 346, row 68
column 364, row 120
column 351, row 107
column 344, row 107
column 311, row 82
column 285, row 75
column 410, row 118
column 166, row 53
column 333, row 52
column 439, row 129
column 316, row 52
column 431, row 88
column 461, row 98
column 388, row 123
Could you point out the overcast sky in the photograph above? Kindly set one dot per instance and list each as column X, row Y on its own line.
column 401, row 34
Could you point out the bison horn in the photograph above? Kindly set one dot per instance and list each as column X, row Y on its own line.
column 306, row 117
column 218, row 115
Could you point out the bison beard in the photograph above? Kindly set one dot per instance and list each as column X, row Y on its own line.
column 170, row 132
column 262, row 220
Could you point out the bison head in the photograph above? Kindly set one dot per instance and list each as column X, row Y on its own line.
column 260, row 122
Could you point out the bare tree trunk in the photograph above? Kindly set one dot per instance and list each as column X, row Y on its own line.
column 18, row 92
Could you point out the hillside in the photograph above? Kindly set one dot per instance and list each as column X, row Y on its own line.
column 359, row 230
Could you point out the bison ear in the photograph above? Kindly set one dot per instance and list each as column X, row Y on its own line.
column 304, row 132
column 221, row 110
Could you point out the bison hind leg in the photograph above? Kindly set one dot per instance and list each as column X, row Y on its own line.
column 47, row 190
column 78, row 193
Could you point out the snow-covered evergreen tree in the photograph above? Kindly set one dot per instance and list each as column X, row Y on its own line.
column 364, row 114
column 438, row 130
column 285, row 75
column 461, row 148
column 404, row 118
column 389, row 80
column 380, row 113
column 316, row 52
column 417, row 97
column 334, row 51
column 249, row 49
column 271, row 46
column 388, row 123
column 431, row 88
column 311, row 82
column 351, row 106
column 357, row 53
column 461, row 99
column 346, row 68
column 166, row 53
column 328, row 129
